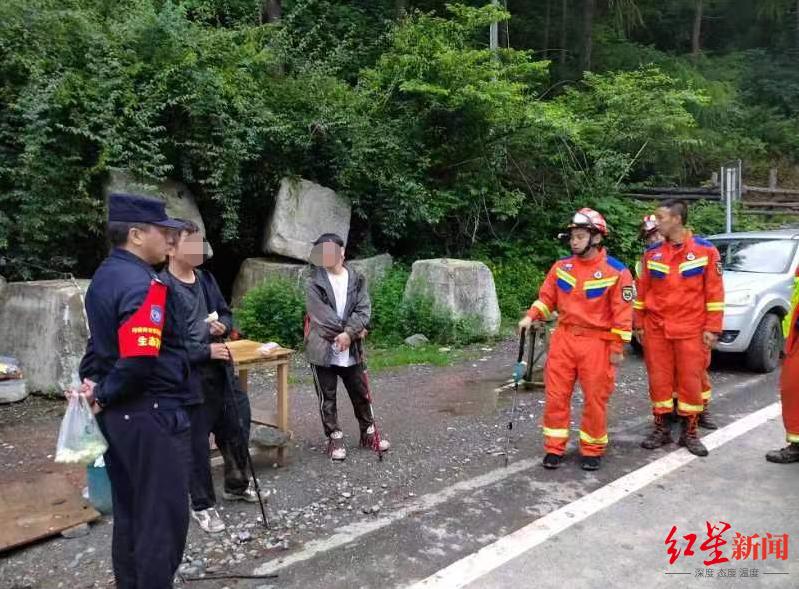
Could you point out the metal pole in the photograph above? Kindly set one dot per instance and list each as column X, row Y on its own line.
column 728, row 190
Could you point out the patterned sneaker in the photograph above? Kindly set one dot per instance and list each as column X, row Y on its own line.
column 209, row 520
column 335, row 446
column 250, row 495
column 368, row 441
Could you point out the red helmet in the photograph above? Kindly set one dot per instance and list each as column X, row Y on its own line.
column 649, row 224
column 589, row 219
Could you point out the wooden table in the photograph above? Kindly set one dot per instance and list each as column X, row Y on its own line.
column 245, row 358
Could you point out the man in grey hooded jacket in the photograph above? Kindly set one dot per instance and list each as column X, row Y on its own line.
column 338, row 311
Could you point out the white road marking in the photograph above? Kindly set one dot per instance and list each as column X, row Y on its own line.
column 491, row 557
column 352, row 532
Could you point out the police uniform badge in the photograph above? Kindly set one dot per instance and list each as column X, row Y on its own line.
column 627, row 293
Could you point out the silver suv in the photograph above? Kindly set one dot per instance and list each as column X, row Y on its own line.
column 759, row 270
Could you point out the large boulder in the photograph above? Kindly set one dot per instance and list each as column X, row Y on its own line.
column 42, row 324
column 303, row 211
column 463, row 289
column 257, row 271
column 373, row 268
column 180, row 202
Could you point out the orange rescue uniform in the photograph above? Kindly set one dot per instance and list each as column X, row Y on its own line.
column 707, row 386
column 789, row 377
column 593, row 300
column 680, row 296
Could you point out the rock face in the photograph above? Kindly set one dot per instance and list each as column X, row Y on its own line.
column 256, row 271
column 463, row 289
column 180, row 202
column 42, row 325
column 303, row 211
column 373, row 268
column 12, row 390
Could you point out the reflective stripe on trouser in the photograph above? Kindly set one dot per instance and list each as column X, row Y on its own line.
column 789, row 393
column 674, row 365
column 707, row 387
column 572, row 358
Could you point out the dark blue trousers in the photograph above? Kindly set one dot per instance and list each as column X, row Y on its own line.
column 148, row 461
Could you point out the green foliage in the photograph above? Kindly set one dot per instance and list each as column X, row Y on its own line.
column 517, row 280
column 273, row 311
column 394, row 319
column 442, row 146
column 386, row 296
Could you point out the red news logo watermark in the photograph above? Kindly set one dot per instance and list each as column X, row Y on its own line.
column 742, row 547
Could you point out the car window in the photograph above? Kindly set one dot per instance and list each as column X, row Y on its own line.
column 761, row 256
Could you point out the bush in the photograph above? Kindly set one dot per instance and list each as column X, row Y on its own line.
column 517, row 281
column 273, row 311
column 386, row 306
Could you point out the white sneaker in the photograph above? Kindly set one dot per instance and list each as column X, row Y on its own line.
column 335, row 446
column 209, row 520
column 250, row 495
column 368, row 440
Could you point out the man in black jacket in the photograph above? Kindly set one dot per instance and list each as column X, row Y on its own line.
column 208, row 320
column 135, row 374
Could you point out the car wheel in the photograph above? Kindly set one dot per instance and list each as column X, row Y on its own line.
column 764, row 350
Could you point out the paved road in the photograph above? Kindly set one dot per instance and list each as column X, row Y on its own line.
column 449, row 509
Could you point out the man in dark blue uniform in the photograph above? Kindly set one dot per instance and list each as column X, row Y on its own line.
column 135, row 373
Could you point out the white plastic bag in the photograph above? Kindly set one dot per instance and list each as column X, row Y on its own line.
column 79, row 439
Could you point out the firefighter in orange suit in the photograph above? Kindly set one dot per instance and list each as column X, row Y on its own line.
column 592, row 293
column 679, row 311
column 789, row 384
column 650, row 236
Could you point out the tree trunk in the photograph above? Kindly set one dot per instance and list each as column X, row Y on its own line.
column 547, row 20
column 271, row 11
column 696, row 35
column 797, row 24
column 564, row 9
column 400, row 8
column 589, row 7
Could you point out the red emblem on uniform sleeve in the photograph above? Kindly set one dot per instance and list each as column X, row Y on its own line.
column 140, row 335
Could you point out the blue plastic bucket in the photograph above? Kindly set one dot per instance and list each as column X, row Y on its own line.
column 99, row 489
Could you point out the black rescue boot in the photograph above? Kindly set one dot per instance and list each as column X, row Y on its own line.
column 552, row 461
column 706, row 419
column 784, row 455
column 689, row 437
column 591, row 462
column 660, row 435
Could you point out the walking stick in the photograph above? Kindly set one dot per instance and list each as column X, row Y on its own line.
column 518, row 374
column 237, row 417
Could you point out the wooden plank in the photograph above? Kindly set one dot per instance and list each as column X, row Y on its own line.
column 246, row 352
column 771, row 204
column 765, row 190
column 39, row 507
column 665, row 196
column 677, row 190
column 283, row 397
column 773, row 213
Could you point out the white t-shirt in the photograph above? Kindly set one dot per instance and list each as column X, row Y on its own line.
column 339, row 283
